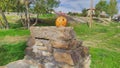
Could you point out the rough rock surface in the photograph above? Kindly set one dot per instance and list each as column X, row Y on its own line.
column 53, row 47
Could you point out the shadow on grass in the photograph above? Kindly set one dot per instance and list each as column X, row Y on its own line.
column 47, row 22
column 41, row 22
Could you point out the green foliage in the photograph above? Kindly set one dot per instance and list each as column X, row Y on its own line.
column 52, row 3
column 112, row 7
column 47, row 16
column 101, row 6
column 18, row 6
column 74, row 14
column 84, row 12
column 39, row 7
column 44, row 6
column 7, row 5
column 15, row 25
column 25, row 6
column 47, row 22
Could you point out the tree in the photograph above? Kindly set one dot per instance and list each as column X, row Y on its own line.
column 6, row 6
column 44, row 6
column 4, row 18
column 112, row 8
column 3, row 6
column 101, row 6
column 84, row 12
column 49, row 4
column 38, row 7
column 26, row 3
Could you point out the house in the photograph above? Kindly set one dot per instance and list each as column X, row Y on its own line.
column 116, row 18
column 103, row 14
column 89, row 12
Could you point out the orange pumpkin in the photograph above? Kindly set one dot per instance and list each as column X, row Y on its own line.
column 61, row 21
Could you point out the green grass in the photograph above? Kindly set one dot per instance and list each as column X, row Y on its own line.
column 14, row 32
column 102, row 58
column 104, row 43
column 11, row 52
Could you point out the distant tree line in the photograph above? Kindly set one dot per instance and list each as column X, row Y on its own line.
column 74, row 14
column 109, row 7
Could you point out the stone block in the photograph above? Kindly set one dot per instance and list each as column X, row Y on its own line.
column 29, row 51
column 50, row 65
column 67, row 66
column 18, row 64
column 75, row 44
column 45, row 53
column 71, row 44
column 31, row 41
column 38, row 43
column 85, row 51
column 79, row 54
column 41, row 66
column 64, row 58
column 42, row 42
column 53, row 47
column 52, row 33
column 35, row 49
column 43, row 48
column 60, row 44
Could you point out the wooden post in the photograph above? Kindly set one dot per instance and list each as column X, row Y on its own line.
column 91, row 13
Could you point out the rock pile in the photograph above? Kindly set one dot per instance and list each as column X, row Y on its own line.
column 52, row 47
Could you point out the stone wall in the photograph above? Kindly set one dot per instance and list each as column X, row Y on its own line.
column 53, row 47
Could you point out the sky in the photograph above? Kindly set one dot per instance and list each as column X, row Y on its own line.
column 77, row 5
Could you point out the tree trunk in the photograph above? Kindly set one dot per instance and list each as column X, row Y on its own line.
column 1, row 24
column 22, row 19
column 27, row 17
column 5, row 19
column 36, row 19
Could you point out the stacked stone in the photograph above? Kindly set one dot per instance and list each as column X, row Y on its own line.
column 56, row 47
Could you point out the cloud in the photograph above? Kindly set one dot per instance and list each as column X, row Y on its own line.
column 77, row 5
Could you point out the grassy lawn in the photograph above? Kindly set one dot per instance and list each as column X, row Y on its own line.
column 103, row 41
column 12, row 45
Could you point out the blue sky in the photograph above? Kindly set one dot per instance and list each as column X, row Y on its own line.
column 77, row 5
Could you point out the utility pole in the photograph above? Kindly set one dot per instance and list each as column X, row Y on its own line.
column 91, row 13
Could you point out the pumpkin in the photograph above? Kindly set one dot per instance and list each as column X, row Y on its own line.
column 61, row 21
